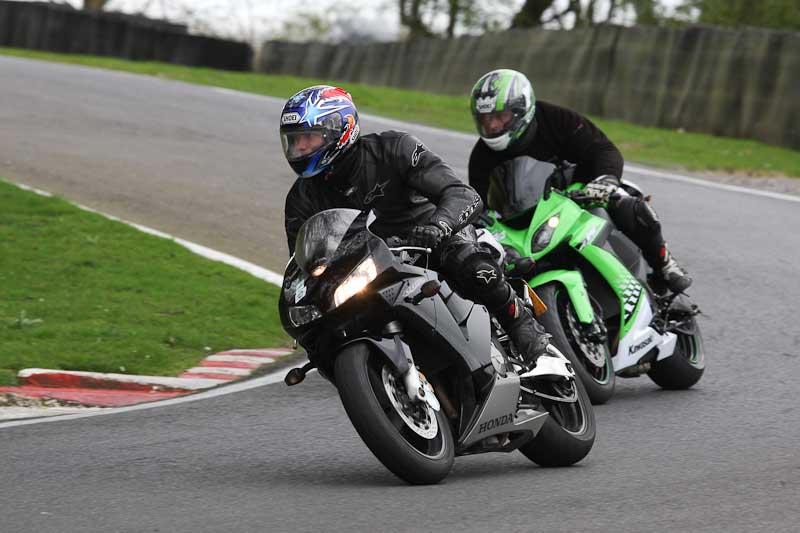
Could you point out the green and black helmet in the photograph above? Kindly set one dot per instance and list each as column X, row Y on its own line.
column 503, row 105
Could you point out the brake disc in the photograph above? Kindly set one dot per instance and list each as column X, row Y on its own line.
column 420, row 417
column 590, row 350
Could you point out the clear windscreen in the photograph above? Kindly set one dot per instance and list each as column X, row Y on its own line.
column 330, row 235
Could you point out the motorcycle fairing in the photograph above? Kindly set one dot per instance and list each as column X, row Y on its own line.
column 573, row 282
column 467, row 334
column 496, row 415
column 641, row 340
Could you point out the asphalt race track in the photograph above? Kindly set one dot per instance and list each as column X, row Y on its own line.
column 206, row 165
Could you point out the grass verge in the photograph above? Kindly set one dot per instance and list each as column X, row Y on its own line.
column 81, row 292
column 654, row 146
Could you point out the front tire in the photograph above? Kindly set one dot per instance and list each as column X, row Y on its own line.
column 685, row 366
column 599, row 382
column 385, row 429
column 567, row 435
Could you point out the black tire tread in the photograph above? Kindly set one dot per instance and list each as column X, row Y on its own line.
column 675, row 372
column 374, row 428
column 554, row 447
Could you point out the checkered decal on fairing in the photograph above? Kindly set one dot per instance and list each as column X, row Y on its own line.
column 631, row 290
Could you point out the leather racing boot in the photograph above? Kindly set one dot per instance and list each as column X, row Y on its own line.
column 673, row 274
column 528, row 335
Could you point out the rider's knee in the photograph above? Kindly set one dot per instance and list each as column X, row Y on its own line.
column 634, row 214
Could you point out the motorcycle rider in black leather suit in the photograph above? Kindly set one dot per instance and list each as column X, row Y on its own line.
column 512, row 123
column 413, row 193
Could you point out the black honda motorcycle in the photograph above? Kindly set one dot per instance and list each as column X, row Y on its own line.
column 423, row 374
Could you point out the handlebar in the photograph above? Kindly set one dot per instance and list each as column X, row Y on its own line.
column 396, row 244
column 578, row 196
column 411, row 248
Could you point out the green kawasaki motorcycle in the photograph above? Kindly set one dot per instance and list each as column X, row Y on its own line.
column 606, row 311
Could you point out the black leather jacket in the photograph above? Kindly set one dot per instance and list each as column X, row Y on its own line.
column 393, row 174
column 557, row 133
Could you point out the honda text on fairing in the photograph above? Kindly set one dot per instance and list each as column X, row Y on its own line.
column 423, row 374
column 607, row 312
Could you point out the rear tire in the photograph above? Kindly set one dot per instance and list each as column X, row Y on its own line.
column 557, row 445
column 406, row 454
column 599, row 382
column 685, row 366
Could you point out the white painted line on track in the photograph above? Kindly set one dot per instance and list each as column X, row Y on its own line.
column 712, row 184
column 229, row 371
column 239, row 386
column 239, row 359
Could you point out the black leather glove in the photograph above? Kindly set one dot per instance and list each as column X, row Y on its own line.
column 425, row 236
column 517, row 266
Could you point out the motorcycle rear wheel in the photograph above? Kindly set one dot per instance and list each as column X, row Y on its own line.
column 685, row 366
column 393, row 432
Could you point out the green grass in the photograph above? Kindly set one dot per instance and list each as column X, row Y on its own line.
column 655, row 146
column 81, row 292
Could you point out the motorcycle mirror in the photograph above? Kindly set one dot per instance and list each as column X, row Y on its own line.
column 428, row 289
column 296, row 375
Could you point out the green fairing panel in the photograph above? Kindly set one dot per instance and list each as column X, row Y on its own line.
column 622, row 282
column 572, row 280
column 568, row 213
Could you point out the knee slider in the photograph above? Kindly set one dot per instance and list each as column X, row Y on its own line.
column 632, row 213
column 480, row 277
column 646, row 215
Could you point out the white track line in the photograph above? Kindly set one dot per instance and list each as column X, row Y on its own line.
column 712, row 184
column 239, row 359
column 228, row 371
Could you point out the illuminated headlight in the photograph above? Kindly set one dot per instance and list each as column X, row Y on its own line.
column 541, row 239
column 303, row 314
column 356, row 281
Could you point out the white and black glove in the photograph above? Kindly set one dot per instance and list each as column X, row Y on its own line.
column 600, row 189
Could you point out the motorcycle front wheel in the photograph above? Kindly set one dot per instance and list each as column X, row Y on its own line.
column 561, row 322
column 412, row 440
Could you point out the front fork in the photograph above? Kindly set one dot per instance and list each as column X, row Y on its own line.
column 417, row 387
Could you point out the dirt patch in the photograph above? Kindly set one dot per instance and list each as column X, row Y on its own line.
column 9, row 399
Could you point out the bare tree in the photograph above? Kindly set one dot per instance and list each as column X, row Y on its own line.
column 411, row 12
column 586, row 13
column 530, row 15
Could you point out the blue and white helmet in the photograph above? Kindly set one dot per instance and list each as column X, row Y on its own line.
column 318, row 125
